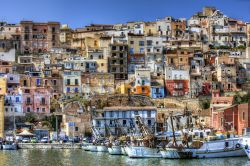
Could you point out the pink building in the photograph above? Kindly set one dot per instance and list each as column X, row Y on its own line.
column 36, row 100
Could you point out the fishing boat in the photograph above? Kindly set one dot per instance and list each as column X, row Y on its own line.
column 206, row 149
column 215, row 146
column 245, row 142
column 9, row 143
column 98, row 143
column 144, row 146
column 10, row 146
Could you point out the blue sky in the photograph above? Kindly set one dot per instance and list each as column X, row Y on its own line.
column 78, row 13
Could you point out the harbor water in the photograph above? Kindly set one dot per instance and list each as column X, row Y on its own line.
column 68, row 157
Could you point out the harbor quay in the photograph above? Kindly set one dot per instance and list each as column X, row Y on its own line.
column 49, row 145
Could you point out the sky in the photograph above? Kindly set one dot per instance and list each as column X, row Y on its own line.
column 78, row 13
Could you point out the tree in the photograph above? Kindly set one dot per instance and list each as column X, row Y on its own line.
column 31, row 117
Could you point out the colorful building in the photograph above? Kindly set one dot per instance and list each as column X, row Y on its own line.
column 177, row 82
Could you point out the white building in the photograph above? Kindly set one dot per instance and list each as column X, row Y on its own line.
column 124, row 117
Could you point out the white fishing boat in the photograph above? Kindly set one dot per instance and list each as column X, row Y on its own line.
column 10, row 146
column 92, row 148
column 207, row 149
column 143, row 152
column 102, row 148
column 245, row 142
column 115, row 150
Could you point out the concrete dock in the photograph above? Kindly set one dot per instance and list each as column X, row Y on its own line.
column 49, row 146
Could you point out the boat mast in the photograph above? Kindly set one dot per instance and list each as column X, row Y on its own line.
column 172, row 124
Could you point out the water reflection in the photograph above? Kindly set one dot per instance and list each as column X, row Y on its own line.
column 79, row 157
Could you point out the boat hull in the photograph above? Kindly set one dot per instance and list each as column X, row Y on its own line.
column 10, row 147
column 92, row 148
column 86, row 147
column 143, row 152
column 172, row 153
column 124, row 152
column 115, row 150
column 102, row 148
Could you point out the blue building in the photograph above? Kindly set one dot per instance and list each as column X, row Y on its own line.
column 157, row 89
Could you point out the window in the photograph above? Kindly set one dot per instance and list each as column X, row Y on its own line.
column 76, row 81
column 121, row 55
column 68, row 89
column 141, row 50
column 53, row 37
column 17, row 99
column 143, row 82
column 28, row 100
column 37, row 109
column 141, row 43
column 11, row 78
column 243, row 116
column 26, row 91
column 131, row 51
column 149, row 122
column 131, row 42
column 38, row 82
column 76, row 90
column 43, row 109
column 113, row 48
column 76, row 128
column 43, row 100
column 123, row 114
column 53, row 29
column 68, row 82
column 6, row 109
column 26, row 37
column 54, row 82
column 28, row 109
column 149, row 42
column 149, row 114
column 124, row 122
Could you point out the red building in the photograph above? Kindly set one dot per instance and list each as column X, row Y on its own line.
column 227, row 116
column 234, row 118
column 177, row 87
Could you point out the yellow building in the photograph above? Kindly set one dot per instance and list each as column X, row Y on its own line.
column 150, row 29
column 136, row 44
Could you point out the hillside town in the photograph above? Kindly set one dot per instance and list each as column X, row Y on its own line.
column 62, row 81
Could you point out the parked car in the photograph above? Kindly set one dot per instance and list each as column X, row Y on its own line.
column 26, row 140
column 34, row 140
column 44, row 140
